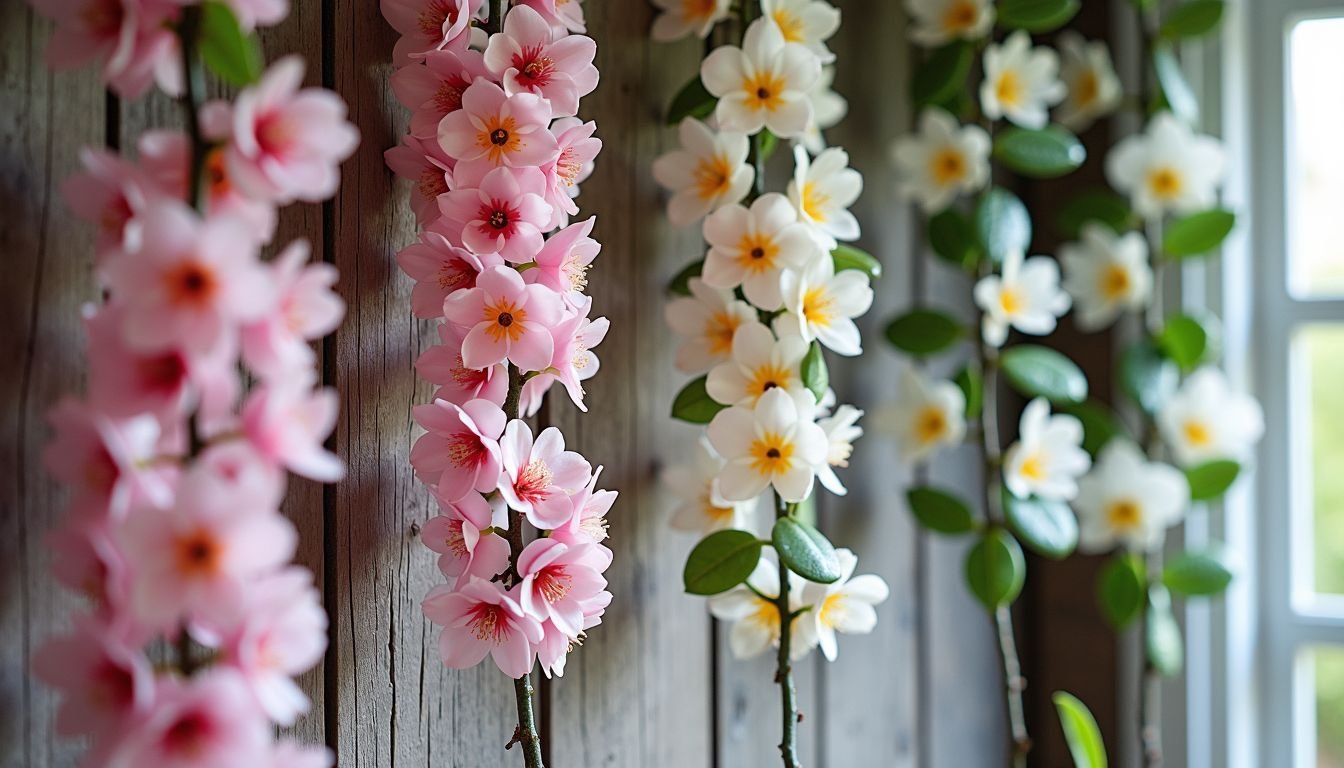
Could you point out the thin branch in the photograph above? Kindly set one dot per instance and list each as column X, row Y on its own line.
column 788, row 705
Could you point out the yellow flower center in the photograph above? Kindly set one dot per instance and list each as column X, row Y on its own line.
column 1009, row 89
column 1164, row 183
column 1087, row 88
column 1033, row 467
column 960, row 16
column 756, row 253
column 768, row 377
column 948, row 166
column 499, row 137
column 818, row 306
column 697, row 9
column 930, row 424
column 1010, row 300
column 1197, row 433
column 764, row 91
column 1115, row 282
column 506, row 320
column 771, row 454
column 831, row 609
column 815, row 202
column 1124, row 514
column 719, row 332
column 713, row 511
column 712, row 175
column 789, row 25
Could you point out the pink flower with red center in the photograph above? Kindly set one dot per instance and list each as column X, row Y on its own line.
column 206, row 721
column 133, row 39
column 508, row 320
column 100, row 460
column 439, row 268
column 189, row 283
column 462, row 538
column 531, row 57
column 429, row 25
column 287, row 421
column 442, row 364
column 124, row 382
column 425, row 165
column 459, row 452
column 233, row 469
column 287, row 143
column 539, row 477
column 573, row 362
column 499, row 129
column 108, row 193
column 562, row 263
column 278, row 345
column 573, row 163
column 480, row 619
column 503, row 212
column 558, row 581
column 564, row 15
column 166, row 156
column 588, row 525
column 435, row 89
column 105, row 682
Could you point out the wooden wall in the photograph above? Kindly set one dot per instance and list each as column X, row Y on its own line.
column 654, row 686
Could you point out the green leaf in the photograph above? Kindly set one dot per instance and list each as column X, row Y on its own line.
column 1105, row 207
column 924, row 332
column 953, row 239
column 721, row 561
column 1198, row 573
column 768, row 142
column 1163, row 641
column 1080, row 731
column 693, row 100
column 233, row 55
column 939, row 510
column 1147, row 376
column 973, row 387
column 1100, row 424
column 1042, row 154
column 1185, row 341
column 1002, row 223
column 1211, row 479
column 803, row 550
column 1038, row 371
column 996, row 569
column 815, row 375
column 1198, row 233
column 848, row 257
column 1047, row 527
column 1176, row 93
column 681, row 284
column 1036, row 15
column 693, row 404
column 1120, row 589
column 1192, row 19
column 940, row 76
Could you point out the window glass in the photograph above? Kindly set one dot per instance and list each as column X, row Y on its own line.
column 1315, row 177
column 1321, row 425
column 1326, row 675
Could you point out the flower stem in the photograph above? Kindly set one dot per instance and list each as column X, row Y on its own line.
column 193, row 94
column 788, row 704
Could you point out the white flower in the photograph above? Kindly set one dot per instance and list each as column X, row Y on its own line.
column 703, row 509
column 841, row 430
column 1048, row 457
column 823, row 303
column 828, row 109
column 843, row 606
column 763, row 84
column 1206, row 419
column 680, row 18
column 809, row 23
column 822, row 190
column 1106, row 274
column 942, row 161
column 755, row 617
column 759, row 364
column 1025, row 296
column 1167, row 169
column 749, row 247
column 706, row 320
column 1128, row 499
column 774, row 444
column 707, row 173
column 941, row 21
column 1094, row 88
column 928, row 415
column 1021, row 82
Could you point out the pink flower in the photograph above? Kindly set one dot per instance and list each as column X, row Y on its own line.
column 558, row 581
column 277, row 344
column 133, row 39
column 442, row 364
column 100, row 460
column 291, row 754
column 562, row 263
column 503, row 212
column 105, row 683
column 540, row 477
column 287, row 421
column 254, row 13
column 573, row 163
column 428, row 25
column 439, row 268
column 508, row 320
column 562, row 14
column 500, row 129
column 555, row 645
column 425, row 165
column 435, row 89
column 588, row 525
column 189, row 283
column 206, row 721
column 459, row 452
column 282, row 632
column 481, row 619
column 166, row 156
column 287, row 143
column 108, row 193
column 124, row 382
column 531, row 57
column 234, row 470
column 458, row 535
column 573, row 361
column 86, row 560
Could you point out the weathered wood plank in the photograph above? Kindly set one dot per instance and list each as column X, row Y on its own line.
column 44, row 120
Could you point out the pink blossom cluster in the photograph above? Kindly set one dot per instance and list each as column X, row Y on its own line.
column 201, row 394
column 495, row 154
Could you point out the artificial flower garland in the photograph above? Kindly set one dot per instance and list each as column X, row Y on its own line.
column 755, row 315
column 495, row 154
column 174, row 530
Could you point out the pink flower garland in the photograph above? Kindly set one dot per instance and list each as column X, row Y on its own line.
column 495, row 156
column 176, row 469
